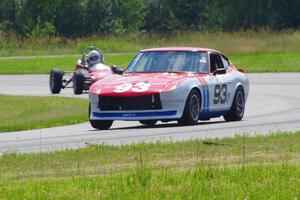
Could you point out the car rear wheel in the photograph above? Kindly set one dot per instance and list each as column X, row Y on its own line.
column 55, row 81
column 78, row 82
column 148, row 122
column 192, row 109
column 237, row 110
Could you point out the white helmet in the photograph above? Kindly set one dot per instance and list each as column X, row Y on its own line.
column 94, row 57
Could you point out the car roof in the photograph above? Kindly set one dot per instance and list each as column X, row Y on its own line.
column 192, row 49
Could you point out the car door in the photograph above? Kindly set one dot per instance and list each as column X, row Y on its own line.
column 230, row 81
column 219, row 84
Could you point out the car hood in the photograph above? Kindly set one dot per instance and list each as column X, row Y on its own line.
column 136, row 84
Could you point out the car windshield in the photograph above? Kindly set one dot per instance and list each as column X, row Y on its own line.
column 169, row 61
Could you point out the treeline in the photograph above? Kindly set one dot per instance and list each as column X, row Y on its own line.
column 76, row 18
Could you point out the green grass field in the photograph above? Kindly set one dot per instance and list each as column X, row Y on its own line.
column 268, row 62
column 230, row 43
column 25, row 113
column 233, row 168
column 44, row 65
column 261, row 51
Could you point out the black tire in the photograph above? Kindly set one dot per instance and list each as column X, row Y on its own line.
column 100, row 124
column 55, row 81
column 148, row 122
column 192, row 109
column 237, row 110
column 78, row 82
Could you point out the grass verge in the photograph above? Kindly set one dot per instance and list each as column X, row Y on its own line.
column 260, row 62
column 44, row 65
column 24, row 113
column 263, row 41
column 233, row 168
column 256, row 51
column 268, row 62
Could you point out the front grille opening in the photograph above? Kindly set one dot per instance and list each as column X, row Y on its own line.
column 146, row 102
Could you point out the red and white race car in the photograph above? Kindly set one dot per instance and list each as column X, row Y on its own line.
column 88, row 70
column 186, row 84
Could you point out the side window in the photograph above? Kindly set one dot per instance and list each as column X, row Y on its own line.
column 225, row 62
column 215, row 62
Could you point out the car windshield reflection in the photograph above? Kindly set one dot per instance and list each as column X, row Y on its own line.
column 169, row 61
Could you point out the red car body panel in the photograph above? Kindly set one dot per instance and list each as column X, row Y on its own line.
column 100, row 74
column 159, row 82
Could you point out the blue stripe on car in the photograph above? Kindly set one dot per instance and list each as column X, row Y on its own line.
column 204, row 97
column 212, row 114
column 207, row 101
column 136, row 114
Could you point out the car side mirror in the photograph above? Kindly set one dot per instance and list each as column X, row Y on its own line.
column 117, row 70
column 220, row 71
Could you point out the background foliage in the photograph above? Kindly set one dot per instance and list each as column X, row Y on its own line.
column 77, row 18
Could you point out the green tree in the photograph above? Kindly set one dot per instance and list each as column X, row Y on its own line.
column 160, row 16
column 8, row 9
column 76, row 18
column 99, row 16
column 34, row 15
column 130, row 13
column 69, row 18
column 190, row 13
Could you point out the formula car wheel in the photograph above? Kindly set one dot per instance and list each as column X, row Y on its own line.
column 237, row 110
column 192, row 109
column 148, row 122
column 101, row 124
column 78, row 82
column 55, row 81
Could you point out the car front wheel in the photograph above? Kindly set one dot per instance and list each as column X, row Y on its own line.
column 78, row 82
column 100, row 124
column 192, row 109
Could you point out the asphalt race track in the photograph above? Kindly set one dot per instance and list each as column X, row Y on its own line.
column 273, row 105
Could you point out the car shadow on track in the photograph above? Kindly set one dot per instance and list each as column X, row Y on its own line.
column 165, row 125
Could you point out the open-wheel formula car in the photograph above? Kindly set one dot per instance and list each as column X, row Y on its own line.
column 88, row 70
column 185, row 84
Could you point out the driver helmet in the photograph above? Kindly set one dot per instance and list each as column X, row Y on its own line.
column 94, row 57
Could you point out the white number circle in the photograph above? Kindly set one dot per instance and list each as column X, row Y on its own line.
column 138, row 87
column 123, row 88
column 141, row 87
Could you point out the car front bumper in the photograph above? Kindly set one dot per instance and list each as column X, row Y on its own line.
column 172, row 108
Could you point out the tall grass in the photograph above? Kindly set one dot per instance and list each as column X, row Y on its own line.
column 261, row 167
column 44, row 65
column 231, row 43
column 257, row 182
column 11, row 45
column 256, row 51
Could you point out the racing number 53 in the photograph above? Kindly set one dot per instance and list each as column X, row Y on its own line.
column 220, row 95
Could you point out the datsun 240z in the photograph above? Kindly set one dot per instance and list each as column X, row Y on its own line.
column 186, row 84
